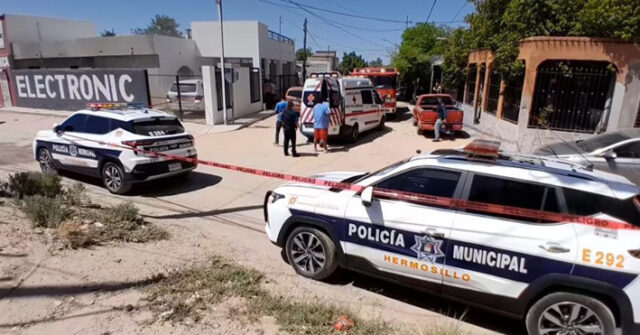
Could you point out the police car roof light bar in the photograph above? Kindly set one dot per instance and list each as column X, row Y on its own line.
column 482, row 148
column 332, row 74
column 115, row 105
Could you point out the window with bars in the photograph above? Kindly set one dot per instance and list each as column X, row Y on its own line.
column 571, row 95
column 511, row 102
column 471, row 84
column 637, row 123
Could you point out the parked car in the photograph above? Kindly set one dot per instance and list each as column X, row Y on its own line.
column 617, row 152
column 555, row 275
column 294, row 94
column 425, row 113
column 191, row 94
column 80, row 144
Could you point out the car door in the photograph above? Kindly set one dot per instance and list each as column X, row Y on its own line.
column 61, row 146
column 504, row 254
column 369, row 115
column 400, row 237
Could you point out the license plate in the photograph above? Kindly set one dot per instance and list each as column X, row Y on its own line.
column 175, row 167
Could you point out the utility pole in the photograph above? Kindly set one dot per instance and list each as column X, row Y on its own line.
column 406, row 23
column 222, row 67
column 304, row 47
column 280, row 26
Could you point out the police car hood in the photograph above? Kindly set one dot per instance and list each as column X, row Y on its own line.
column 336, row 176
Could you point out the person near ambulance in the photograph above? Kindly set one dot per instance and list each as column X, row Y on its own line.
column 279, row 109
column 438, row 128
column 290, row 124
column 321, row 114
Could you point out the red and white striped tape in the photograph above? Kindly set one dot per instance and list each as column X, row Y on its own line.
column 393, row 194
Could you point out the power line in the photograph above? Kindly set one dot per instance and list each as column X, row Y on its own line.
column 431, row 11
column 345, row 14
column 464, row 4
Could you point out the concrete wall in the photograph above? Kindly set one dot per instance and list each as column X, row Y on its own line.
column 241, row 39
column 242, row 104
column 23, row 28
column 87, row 47
column 274, row 49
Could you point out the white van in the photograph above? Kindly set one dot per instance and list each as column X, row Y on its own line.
column 191, row 95
column 355, row 105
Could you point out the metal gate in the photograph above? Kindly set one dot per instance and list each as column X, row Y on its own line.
column 571, row 95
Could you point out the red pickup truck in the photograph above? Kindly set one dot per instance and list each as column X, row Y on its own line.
column 425, row 113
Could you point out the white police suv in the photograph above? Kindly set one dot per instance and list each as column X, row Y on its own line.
column 562, row 278
column 74, row 145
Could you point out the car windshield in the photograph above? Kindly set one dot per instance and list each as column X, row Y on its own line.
column 430, row 101
column 158, row 127
column 601, row 141
column 184, row 88
column 382, row 171
column 383, row 81
column 295, row 93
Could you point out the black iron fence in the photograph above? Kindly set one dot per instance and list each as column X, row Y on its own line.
column 275, row 87
column 471, row 85
column 571, row 95
column 512, row 95
column 182, row 95
column 494, row 93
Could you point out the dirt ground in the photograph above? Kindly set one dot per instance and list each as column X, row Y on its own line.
column 45, row 289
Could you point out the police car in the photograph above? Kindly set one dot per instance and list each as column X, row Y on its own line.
column 562, row 278
column 74, row 145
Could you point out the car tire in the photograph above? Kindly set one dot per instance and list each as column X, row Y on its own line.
column 415, row 122
column 45, row 159
column 419, row 131
column 113, row 178
column 306, row 247
column 383, row 119
column 557, row 310
column 354, row 134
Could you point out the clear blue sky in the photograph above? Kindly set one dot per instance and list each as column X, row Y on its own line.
column 124, row 15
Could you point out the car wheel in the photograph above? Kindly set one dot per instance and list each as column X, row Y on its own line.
column 311, row 253
column 382, row 121
column 355, row 133
column 415, row 122
column 569, row 313
column 419, row 131
column 46, row 161
column 113, row 178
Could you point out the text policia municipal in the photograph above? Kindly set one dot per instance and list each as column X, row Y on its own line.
column 107, row 87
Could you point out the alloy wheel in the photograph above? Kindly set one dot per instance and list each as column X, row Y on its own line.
column 46, row 162
column 112, row 178
column 308, row 253
column 570, row 318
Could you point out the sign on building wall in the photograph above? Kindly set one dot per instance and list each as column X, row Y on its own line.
column 72, row 89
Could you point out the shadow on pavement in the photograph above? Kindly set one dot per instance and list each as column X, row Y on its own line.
column 338, row 145
column 170, row 186
column 431, row 302
column 204, row 213
column 65, row 290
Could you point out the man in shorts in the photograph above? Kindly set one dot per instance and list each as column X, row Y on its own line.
column 321, row 114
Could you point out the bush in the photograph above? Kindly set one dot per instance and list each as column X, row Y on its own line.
column 123, row 223
column 74, row 234
column 44, row 211
column 24, row 184
column 74, row 195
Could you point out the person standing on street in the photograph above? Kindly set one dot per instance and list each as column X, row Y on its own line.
column 279, row 109
column 321, row 114
column 442, row 116
column 290, row 125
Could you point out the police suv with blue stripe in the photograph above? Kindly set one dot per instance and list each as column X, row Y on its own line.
column 81, row 144
column 560, row 277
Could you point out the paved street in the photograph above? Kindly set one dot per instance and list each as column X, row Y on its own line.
column 222, row 211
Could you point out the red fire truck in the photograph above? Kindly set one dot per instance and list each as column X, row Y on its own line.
column 385, row 80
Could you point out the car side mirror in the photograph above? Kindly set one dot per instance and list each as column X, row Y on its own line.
column 56, row 128
column 367, row 196
column 609, row 155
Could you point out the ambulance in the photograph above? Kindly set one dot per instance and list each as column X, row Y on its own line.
column 354, row 103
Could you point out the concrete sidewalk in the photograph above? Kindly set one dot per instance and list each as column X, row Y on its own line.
column 192, row 127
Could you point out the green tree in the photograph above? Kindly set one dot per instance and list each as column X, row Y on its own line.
column 413, row 60
column 160, row 25
column 108, row 33
column 350, row 61
column 302, row 54
column 376, row 63
column 610, row 18
column 456, row 57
